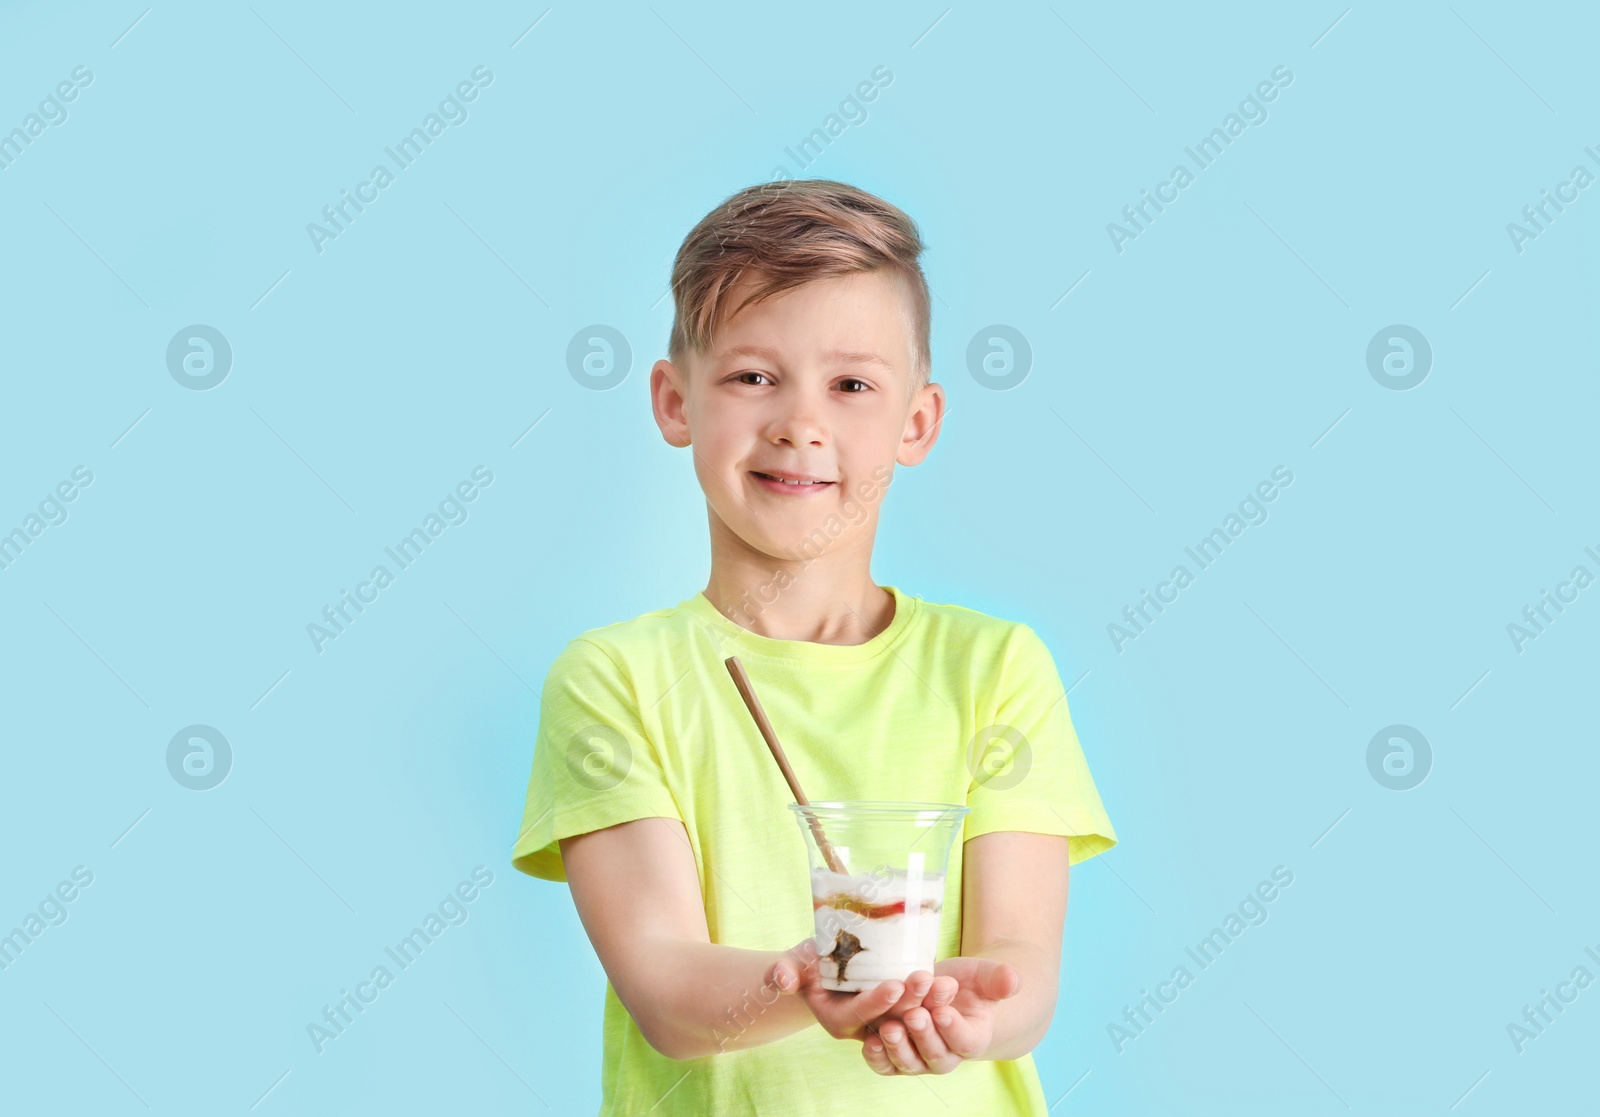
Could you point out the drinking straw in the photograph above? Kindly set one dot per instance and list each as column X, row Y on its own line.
column 753, row 704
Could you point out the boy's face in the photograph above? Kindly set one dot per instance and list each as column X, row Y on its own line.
column 813, row 383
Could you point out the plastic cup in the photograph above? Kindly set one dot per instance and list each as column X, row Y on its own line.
column 879, row 919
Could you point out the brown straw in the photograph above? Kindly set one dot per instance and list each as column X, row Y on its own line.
column 753, row 704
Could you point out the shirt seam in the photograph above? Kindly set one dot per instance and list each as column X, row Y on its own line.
column 644, row 735
column 814, row 654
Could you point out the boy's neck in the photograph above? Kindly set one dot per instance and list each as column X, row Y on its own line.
column 781, row 601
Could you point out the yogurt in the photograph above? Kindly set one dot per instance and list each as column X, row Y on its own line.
column 875, row 927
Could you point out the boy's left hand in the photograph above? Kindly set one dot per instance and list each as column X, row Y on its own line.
column 945, row 1031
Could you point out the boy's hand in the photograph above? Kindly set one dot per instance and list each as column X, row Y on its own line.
column 943, row 1032
column 854, row 1015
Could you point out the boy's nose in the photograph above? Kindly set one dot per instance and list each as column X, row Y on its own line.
column 799, row 426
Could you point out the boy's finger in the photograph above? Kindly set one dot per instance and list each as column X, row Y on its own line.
column 875, row 1002
column 916, row 988
column 943, row 991
column 902, row 1051
column 877, row 1058
column 935, row 1053
column 796, row 968
column 998, row 981
column 847, row 1014
column 958, row 1033
column 787, row 975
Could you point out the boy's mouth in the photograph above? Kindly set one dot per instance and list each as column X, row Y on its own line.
column 789, row 485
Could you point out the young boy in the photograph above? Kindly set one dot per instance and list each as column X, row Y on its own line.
column 799, row 376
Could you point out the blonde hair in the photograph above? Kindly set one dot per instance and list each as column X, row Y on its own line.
column 784, row 234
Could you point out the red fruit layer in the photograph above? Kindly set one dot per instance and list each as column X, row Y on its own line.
column 844, row 902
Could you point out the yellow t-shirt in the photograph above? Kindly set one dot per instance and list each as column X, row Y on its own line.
column 641, row 719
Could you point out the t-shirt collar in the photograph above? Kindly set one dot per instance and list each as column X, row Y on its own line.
column 742, row 642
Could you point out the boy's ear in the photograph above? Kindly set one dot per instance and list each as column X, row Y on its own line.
column 666, row 400
column 922, row 425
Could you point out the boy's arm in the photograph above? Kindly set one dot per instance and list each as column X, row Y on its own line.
column 637, row 891
column 638, row 894
column 1014, row 909
column 1014, row 905
column 1014, row 891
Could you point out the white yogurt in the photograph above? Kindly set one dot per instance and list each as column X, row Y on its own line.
column 891, row 947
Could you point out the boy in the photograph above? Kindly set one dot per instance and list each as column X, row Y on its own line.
column 798, row 376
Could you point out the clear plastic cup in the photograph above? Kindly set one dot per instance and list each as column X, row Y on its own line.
column 878, row 919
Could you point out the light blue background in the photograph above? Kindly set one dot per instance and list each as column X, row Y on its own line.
column 425, row 341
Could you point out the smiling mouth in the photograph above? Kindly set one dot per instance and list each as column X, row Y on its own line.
column 795, row 484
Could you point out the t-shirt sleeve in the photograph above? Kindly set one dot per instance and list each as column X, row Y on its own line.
column 593, row 766
column 1028, row 769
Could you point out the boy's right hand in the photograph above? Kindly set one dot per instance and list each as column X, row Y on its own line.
column 854, row 1015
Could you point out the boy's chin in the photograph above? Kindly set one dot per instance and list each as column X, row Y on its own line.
column 786, row 543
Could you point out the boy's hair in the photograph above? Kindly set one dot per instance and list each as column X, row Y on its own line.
column 787, row 233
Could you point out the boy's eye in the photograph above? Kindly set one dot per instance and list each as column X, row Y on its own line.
column 860, row 385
